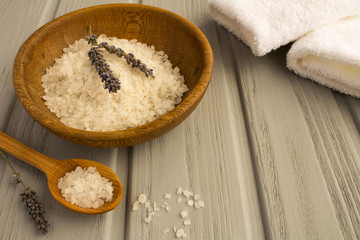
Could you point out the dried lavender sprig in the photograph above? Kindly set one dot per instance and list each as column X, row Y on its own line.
column 30, row 200
column 130, row 58
column 97, row 59
column 35, row 210
column 103, row 69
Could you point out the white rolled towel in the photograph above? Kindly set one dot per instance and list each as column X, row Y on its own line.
column 330, row 55
column 265, row 25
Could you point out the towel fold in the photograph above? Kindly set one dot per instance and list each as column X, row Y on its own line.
column 265, row 25
column 330, row 55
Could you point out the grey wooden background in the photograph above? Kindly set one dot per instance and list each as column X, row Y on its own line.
column 273, row 155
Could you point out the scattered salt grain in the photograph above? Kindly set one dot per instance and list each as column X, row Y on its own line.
column 142, row 198
column 149, row 209
column 201, row 203
column 147, row 219
column 135, row 206
column 165, row 232
column 180, row 233
column 86, row 187
column 179, row 191
column 164, row 204
column 187, row 193
column 184, row 213
column 152, row 210
column 187, row 222
column 156, row 207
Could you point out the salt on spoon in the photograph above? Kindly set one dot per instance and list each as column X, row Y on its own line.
column 55, row 169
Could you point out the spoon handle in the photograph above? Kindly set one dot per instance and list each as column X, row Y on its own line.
column 26, row 154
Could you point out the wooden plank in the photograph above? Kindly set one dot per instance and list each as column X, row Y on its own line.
column 19, row 225
column 350, row 112
column 306, row 161
column 16, row 25
column 66, row 6
column 65, row 224
column 208, row 153
column 303, row 141
column 354, row 108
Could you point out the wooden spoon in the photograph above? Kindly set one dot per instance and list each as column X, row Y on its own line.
column 55, row 169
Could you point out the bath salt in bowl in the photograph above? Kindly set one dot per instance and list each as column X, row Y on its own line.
column 180, row 42
column 75, row 93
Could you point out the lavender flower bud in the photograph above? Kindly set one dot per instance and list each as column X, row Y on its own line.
column 135, row 63
column 91, row 39
column 129, row 58
column 16, row 178
column 120, row 53
column 149, row 72
column 103, row 45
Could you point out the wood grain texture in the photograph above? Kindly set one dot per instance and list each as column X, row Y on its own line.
column 18, row 22
column 306, row 161
column 354, row 108
column 14, row 221
column 273, row 155
column 153, row 26
column 62, row 220
column 208, row 153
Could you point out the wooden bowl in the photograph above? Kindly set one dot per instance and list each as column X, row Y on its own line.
column 185, row 44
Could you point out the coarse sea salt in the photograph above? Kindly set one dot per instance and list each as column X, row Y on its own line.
column 192, row 201
column 85, row 187
column 74, row 91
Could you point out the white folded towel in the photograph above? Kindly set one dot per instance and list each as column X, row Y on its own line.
column 265, row 25
column 330, row 55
